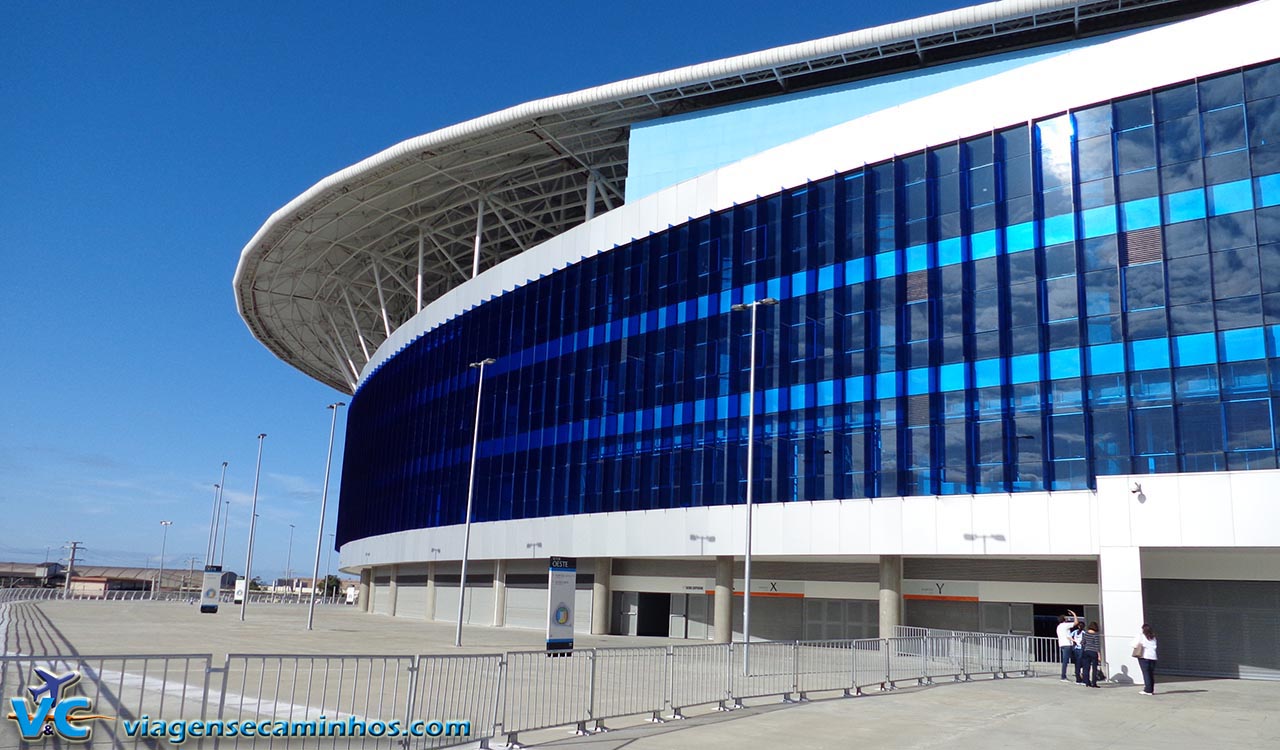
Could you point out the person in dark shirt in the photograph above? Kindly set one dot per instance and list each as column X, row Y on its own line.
column 1091, row 647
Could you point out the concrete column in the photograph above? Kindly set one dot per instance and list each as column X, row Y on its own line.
column 724, row 599
column 890, row 594
column 373, row 588
column 1120, row 590
column 601, row 596
column 431, row 590
column 393, row 591
column 366, row 577
column 499, row 593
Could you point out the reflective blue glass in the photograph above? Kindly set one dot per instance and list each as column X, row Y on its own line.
column 1117, row 310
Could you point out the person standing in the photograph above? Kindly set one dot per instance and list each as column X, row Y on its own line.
column 1077, row 650
column 1145, row 649
column 1065, row 646
column 1091, row 645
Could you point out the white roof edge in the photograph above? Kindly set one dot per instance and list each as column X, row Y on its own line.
column 840, row 43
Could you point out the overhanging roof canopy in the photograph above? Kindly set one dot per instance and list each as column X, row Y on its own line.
column 331, row 274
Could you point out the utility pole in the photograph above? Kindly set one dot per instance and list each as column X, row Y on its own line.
column 191, row 573
column 71, row 564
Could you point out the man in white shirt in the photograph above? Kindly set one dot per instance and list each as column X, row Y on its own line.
column 1065, row 645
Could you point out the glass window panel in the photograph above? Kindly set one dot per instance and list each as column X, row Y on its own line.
column 1015, row 141
column 1248, row 424
column 1060, row 260
column 946, row 159
column 1111, row 432
column 1062, row 299
column 1196, row 383
column 1068, row 436
column 1101, row 252
column 1235, row 273
column 1187, row 238
column 1180, row 140
column 1095, row 157
column 1186, row 279
column 1264, row 122
column 1195, row 318
column 1093, row 121
column 1176, row 102
column 1135, row 150
column 1178, row 177
column 1022, row 267
column 1221, row 91
column 1224, row 130
column 1102, row 292
column 1153, row 430
column 1108, row 389
column 1268, row 224
column 1201, row 427
column 982, row 185
column 1228, row 167
column 1133, row 112
column 979, row 150
column 1138, row 185
column 1104, row 329
column 1055, row 136
column 1249, row 460
column 1238, row 312
column 1017, row 176
column 1231, row 231
column 1239, row 378
column 1147, row 323
column 1144, row 286
column 1261, row 81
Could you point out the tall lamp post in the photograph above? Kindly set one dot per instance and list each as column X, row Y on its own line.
column 751, row 477
column 212, row 547
column 226, row 517
column 164, row 540
column 328, row 560
column 288, row 560
column 324, row 499
column 253, row 526
column 471, row 488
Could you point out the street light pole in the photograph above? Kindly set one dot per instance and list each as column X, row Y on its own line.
column 226, row 517
column 288, row 560
column 328, row 560
column 212, row 547
column 471, row 487
column 164, row 540
column 253, row 526
column 324, row 499
column 751, row 478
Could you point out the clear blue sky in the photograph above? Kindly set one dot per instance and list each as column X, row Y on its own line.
column 142, row 145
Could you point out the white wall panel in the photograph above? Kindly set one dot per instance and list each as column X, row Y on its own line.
column 526, row 607
column 411, row 601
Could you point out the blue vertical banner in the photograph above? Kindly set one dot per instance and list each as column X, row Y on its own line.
column 562, row 586
column 210, row 587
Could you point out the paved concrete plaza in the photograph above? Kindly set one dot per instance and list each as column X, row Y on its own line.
column 98, row 628
column 989, row 714
column 1186, row 713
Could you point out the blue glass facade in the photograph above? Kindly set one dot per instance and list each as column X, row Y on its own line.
column 1095, row 292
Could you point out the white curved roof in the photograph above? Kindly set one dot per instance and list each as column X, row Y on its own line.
column 335, row 271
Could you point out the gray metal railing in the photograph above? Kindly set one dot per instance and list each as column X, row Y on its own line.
column 187, row 596
column 502, row 695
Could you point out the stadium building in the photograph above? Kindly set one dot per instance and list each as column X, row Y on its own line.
column 1012, row 273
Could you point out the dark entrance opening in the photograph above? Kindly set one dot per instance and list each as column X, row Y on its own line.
column 653, row 614
column 1046, row 618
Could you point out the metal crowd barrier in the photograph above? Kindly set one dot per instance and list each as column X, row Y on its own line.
column 188, row 597
column 502, row 695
